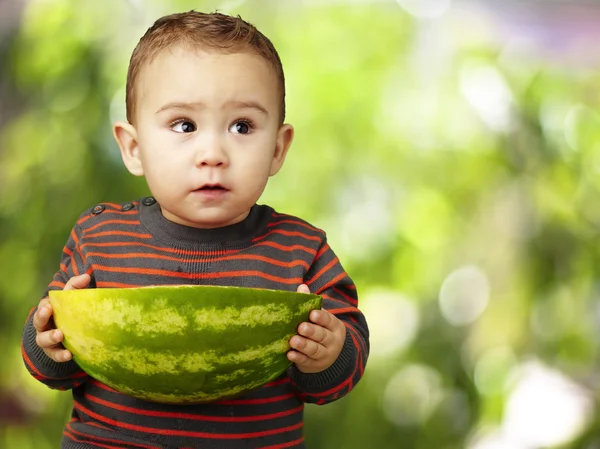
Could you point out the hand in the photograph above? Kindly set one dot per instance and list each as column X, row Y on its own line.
column 48, row 337
column 318, row 343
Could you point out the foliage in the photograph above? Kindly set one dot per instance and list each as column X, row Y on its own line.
column 457, row 182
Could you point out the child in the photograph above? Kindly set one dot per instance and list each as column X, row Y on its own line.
column 205, row 127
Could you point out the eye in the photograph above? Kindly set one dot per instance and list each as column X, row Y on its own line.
column 241, row 127
column 183, row 126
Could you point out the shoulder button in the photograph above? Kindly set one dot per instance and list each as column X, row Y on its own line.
column 98, row 209
column 148, row 201
column 127, row 206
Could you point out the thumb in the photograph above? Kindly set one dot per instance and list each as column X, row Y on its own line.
column 303, row 288
column 78, row 282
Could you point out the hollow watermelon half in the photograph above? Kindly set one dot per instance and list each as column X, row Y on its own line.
column 181, row 344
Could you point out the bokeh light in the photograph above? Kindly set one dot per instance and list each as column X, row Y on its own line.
column 545, row 408
column 393, row 320
column 464, row 295
column 412, row 394
column 426, row 9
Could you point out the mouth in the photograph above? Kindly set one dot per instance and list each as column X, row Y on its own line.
column 211, row 188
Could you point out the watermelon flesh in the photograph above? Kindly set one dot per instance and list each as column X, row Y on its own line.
column 181, row 344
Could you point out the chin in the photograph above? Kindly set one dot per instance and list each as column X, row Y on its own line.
column 212, row 222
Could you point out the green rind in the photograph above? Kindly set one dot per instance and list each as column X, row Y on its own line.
column 181, row 344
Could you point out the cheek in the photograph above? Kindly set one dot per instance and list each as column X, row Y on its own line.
column 253, row 175
column 258, row 169
column 160, row 169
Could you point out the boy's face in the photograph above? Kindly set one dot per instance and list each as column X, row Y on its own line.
column 207, row 134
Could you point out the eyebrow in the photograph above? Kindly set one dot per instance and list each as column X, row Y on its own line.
column 196, row 105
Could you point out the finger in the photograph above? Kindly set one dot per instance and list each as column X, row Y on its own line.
column 303, row 288
column 325, row 319
column 41, row 317
column 49, row 339
column 63, row 355
column 311, row 349
column 303, row 363
column 59, row 354
column 78, row 282
column 297, row 357
column 314, row 332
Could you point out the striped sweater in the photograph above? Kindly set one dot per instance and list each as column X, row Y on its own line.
column 134, row 245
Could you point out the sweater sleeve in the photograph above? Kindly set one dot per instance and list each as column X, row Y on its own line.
column 60, row 376
column 326, row 277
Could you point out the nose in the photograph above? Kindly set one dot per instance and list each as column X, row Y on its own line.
column 211, row 152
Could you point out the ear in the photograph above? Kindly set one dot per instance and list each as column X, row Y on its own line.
column 127, row 139
column 285, row 135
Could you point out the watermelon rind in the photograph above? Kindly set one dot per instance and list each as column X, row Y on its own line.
column 181, row 344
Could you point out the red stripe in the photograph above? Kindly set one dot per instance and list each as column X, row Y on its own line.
column 121, row 212
column 325, row 269
column 287, row 233
column 96, row 444
column 286, row 248
column 228, row 401
column 360, row 345
column 73, row 261
column 284, row 445
column 99, row 384
column 281, row 381
column 180, row 275
column 282, row 397
column 193, row 417
column 104, row 284
column 99, row 426
column 333, row 390
column 31, row 312
column 112, row 233
column 108, row 440
column 332, row 282
column 348, row 298
column 74, row 266
column 351, row 318
column 332, row 299
column 215, row 259
column 157, row 248
column 274, row 383
column 342, row 310
column 322, row 251
column 83, row 219
column 37, row 374
column 108, row 211
column 184, row 433
column 59, row 284
column 74, row 236
column 102, row 223
column 295, row 222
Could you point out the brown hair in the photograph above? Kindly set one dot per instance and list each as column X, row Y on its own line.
column 214, row 31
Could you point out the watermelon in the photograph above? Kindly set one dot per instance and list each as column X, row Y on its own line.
column 181, row 344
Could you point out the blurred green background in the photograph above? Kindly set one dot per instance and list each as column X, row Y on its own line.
column 451, row 149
